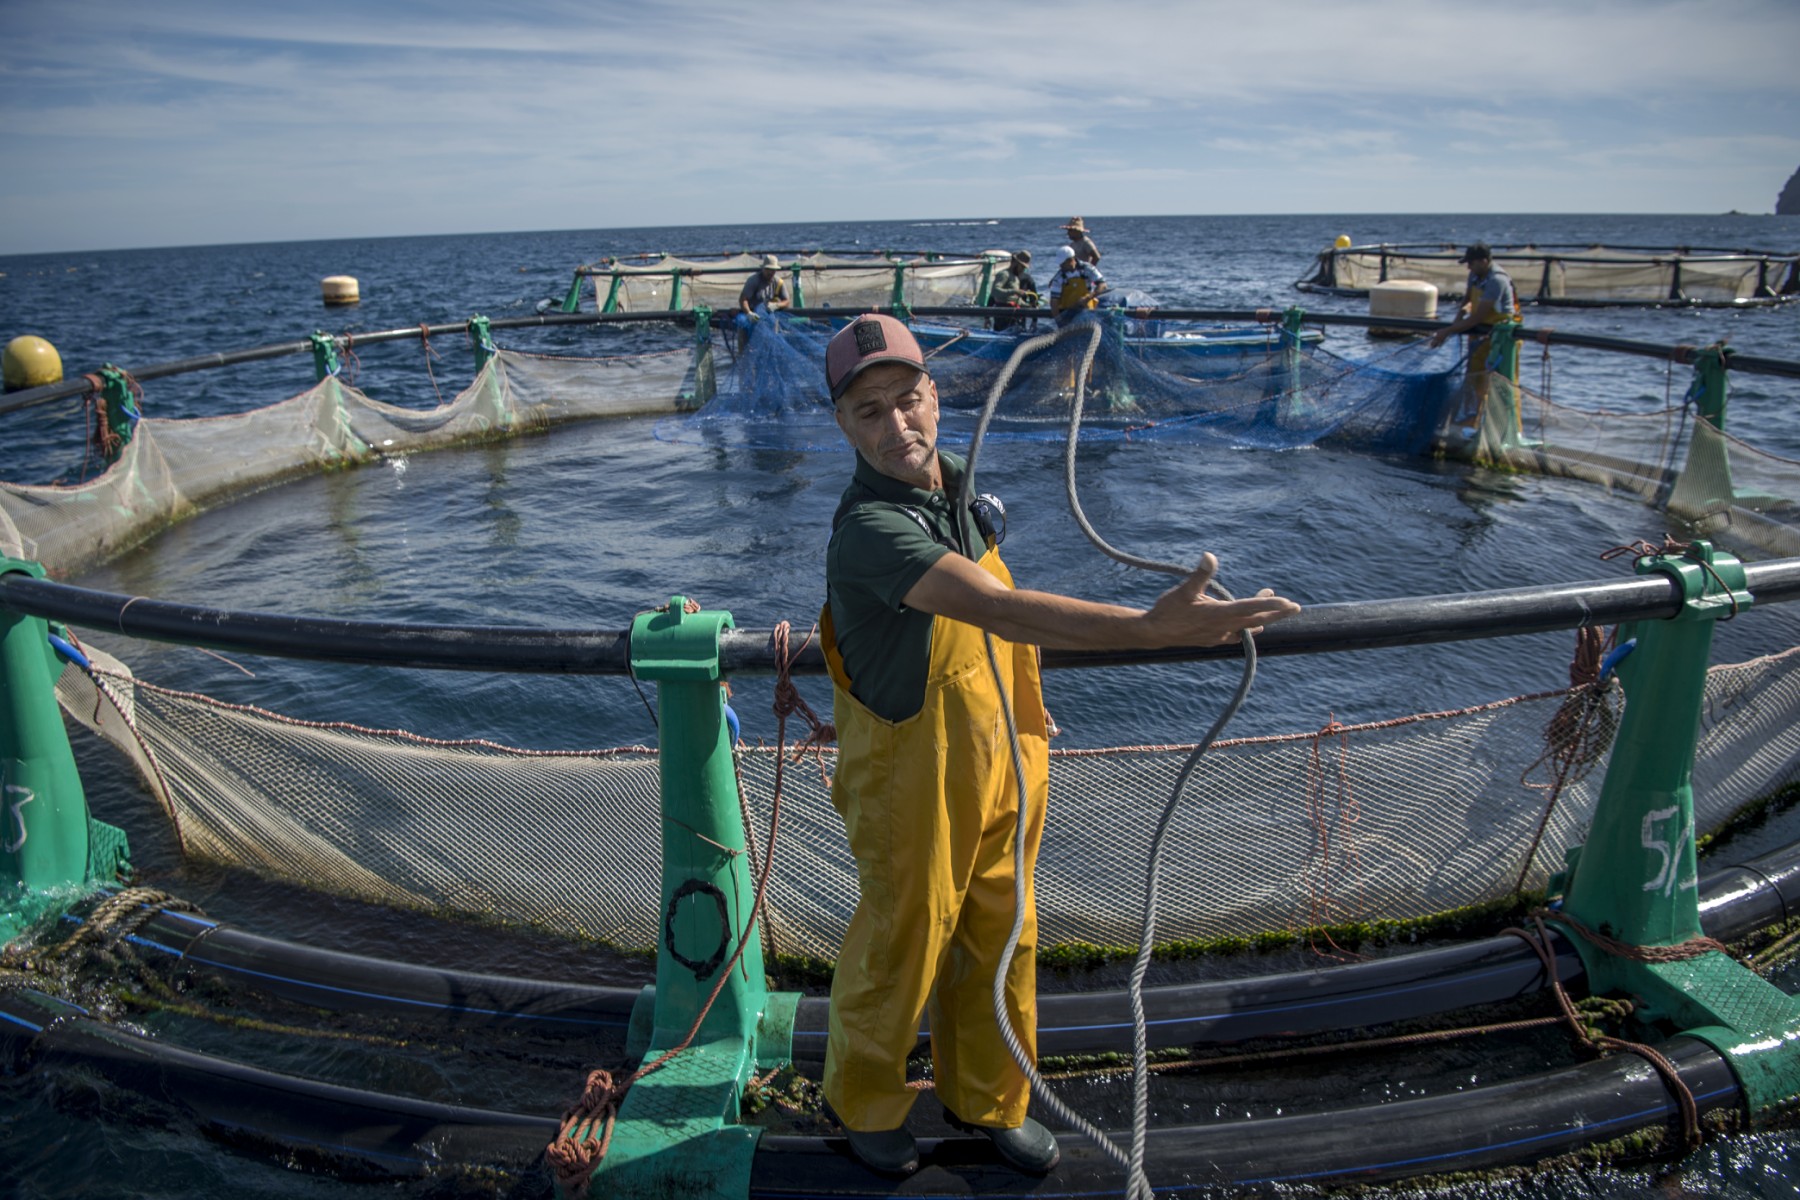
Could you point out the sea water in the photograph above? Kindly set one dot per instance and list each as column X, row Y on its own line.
column 592, row 523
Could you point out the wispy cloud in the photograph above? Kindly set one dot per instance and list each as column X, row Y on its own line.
column 205, row 121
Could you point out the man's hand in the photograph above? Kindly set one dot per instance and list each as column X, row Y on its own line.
column 1186, row 616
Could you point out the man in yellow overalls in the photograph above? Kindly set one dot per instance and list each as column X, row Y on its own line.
column 1491, row 300
column 925, row 780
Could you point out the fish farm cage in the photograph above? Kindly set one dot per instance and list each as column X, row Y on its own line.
column 1576, row 813
column 1573, row 276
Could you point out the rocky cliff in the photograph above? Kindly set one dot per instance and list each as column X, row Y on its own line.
column 1788, row 203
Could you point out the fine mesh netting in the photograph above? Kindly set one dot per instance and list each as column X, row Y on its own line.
column 1225, row 388
column 821, row 280
column 174, row 468
column 1590, row 274
column 1390, row 820
column 1217, row 387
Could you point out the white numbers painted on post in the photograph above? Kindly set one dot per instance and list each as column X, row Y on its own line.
column 1669, row 866
column 24, row 797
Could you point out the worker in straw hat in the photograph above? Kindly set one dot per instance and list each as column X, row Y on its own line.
column 1083, row 245
column 764, row 292
column 925, row 778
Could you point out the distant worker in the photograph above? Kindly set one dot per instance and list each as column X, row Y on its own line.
column 925, row 777
column 764, row 292
column 1075, row 287
column 1084, row 246
column 1014, row 288
column 1491, row 300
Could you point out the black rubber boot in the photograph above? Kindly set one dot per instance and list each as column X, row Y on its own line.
column 1030, row 1148
column 885, row 1151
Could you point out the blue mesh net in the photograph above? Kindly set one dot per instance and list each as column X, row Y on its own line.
column 1150, row 380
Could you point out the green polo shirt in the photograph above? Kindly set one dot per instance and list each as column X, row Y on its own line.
column 886, row 534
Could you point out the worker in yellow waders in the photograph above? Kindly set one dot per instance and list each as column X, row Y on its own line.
column 925, row 780
column 1491, row 299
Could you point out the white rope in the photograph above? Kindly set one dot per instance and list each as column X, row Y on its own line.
column 1137, row 1182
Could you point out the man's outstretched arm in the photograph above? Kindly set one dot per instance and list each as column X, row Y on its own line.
column 1184, row 615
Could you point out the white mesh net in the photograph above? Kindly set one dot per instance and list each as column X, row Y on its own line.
column 1391, row 820
column 1593, row 274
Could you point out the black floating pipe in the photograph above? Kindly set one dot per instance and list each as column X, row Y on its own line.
column 1734, row 901
column 373, row 1134
column 1362, row 625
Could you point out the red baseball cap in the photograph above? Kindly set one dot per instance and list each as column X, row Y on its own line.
column 864, row 342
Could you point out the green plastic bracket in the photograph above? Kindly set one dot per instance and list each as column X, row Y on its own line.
column 898, row 300
column 705, row 375
column 984, row 289
column 799, row 300
column 675, row 290
column 677, row 1133
column 1116, row 390
column 612, row 293
column 122, row 413
column 483, row 336
column 1296, row 409
column 325, row 356
column 1636, row 878
column 572, row 300
column 1709, row 390
column 51, row 851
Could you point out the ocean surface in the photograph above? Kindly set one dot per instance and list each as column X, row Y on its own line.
column 594, row 522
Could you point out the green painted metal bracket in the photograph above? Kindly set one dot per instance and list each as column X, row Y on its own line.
column 325, row 356
column 898, row 299
column 1709, row 391
column 799, row 289
column 984, row 289
column 51, row 850
column 119, row 398
column 572, row 300
column 612, row 293
column 705, row 374
column 1636, row 878
column 483, row 336
column 677, row 1133
column 675, row 289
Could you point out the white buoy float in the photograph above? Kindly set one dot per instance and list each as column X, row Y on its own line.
column 340, row 289
column 30, row 362
column 1413, row 299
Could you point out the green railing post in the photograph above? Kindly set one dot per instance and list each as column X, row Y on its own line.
column 799, row 289
column 50, row 850
column 677, row 1134
column 705, row 376
column 572, row 301
column 984, row 290
column 122, row 412
column 898, row 299
column 325, row 356
column 1636, row 878
column 1704, row 485
column 1114, row 384
column 675, row 289
column 1295, row 410
column 483, row 336
column 612, row 293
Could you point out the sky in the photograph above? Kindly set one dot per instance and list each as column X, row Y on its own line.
column 190, row 122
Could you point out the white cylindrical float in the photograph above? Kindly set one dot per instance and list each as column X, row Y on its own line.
column 340, row 289
column 1413, row 299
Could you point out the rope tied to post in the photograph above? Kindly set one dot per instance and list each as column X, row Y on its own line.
column 789, row 702
column 1538, row 938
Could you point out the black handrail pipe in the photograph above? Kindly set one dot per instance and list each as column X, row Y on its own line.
column 1361, row 625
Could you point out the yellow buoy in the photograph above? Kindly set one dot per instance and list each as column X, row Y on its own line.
column 30, row 362
column 1343, row 241
column 340, row 289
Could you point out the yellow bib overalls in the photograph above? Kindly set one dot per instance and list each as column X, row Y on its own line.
column 930, row 805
